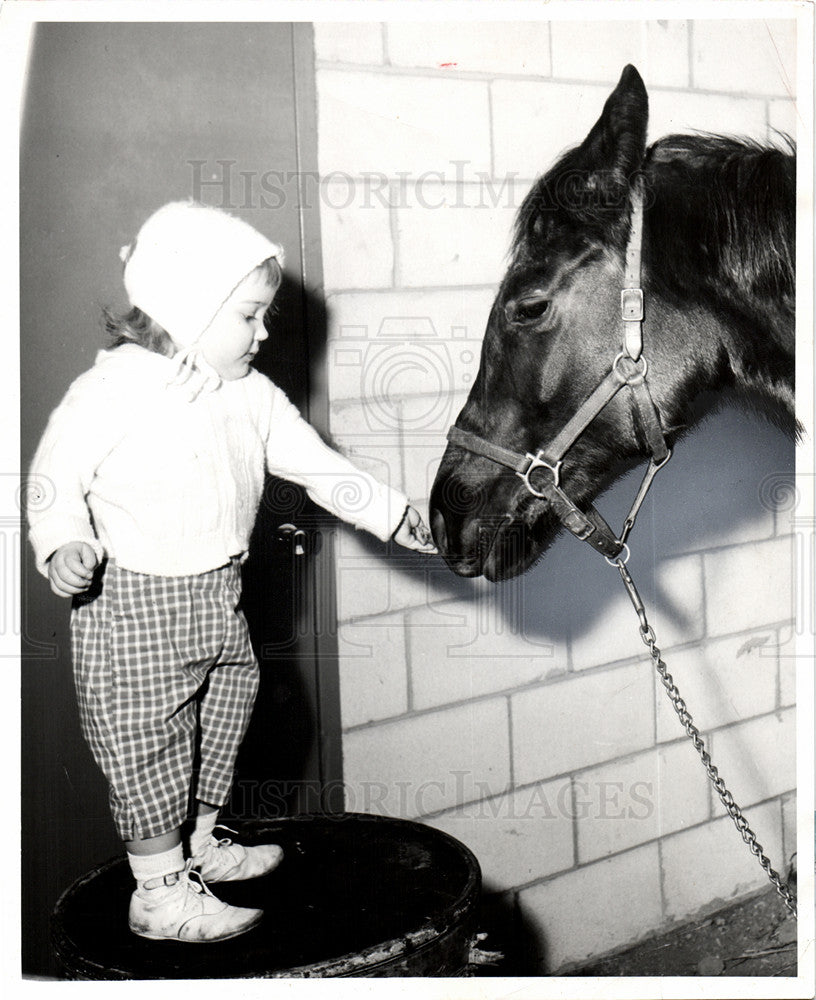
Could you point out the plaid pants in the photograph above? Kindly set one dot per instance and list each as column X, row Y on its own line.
column 160, row 662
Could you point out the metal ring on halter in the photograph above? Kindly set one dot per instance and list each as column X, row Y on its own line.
column 536, row 462
column 617, row 560
column 639, row 376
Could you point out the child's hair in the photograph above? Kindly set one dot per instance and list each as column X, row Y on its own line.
column 273, row 271
column 136, row 327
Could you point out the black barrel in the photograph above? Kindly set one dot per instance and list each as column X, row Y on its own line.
column 355, row 895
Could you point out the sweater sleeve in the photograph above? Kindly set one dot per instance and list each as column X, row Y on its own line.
column 295, row 451
column 80, row 433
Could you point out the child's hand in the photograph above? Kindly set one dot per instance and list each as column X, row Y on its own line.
column 413, row 533
column 71, row 568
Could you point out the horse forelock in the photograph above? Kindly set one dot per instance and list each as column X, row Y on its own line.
column 569, row 209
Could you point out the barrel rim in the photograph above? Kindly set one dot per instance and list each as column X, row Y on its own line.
column 408, row 943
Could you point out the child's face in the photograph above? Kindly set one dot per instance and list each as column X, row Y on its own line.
column 231, row 341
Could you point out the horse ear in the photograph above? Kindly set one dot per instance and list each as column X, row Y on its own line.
column 617, row 142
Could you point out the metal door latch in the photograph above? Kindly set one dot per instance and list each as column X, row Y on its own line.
column 295, row 535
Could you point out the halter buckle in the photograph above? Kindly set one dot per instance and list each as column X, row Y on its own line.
column 632, row 305
column 536, row 462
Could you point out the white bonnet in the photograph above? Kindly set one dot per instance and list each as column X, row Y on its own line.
column 186, row 261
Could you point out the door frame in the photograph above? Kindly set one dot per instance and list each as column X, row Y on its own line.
column 320, row 579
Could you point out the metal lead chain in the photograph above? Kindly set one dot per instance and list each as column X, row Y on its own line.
column 727, row 799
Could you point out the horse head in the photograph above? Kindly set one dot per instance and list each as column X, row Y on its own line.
column 710, row 221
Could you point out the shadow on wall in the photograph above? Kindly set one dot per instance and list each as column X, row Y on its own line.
column 518, row 942
column 718, row 489
column 715, row 491
column 273, row 763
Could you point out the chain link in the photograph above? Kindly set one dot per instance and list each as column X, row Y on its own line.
column 749, row 837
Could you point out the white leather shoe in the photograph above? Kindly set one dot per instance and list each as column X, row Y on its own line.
column 184, row 909
column 225, row 861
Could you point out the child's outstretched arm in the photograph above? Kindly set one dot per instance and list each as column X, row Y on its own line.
column 413, row 533
column 295, row 451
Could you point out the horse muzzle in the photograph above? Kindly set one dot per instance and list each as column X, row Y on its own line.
column 473, row 531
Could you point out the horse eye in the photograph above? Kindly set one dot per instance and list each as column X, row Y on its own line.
column 527, row 309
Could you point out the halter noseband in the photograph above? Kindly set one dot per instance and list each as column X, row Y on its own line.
column 629, row 368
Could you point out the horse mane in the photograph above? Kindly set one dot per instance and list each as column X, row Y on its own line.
column 722, row 221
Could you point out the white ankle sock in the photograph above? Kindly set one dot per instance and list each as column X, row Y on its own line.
column 149, row 866
column 202, row 831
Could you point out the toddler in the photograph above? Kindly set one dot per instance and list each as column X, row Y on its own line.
column 157, row 456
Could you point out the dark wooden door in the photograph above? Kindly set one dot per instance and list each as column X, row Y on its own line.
column 120, row 118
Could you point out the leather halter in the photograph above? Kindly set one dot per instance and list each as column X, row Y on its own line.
column 629, row 369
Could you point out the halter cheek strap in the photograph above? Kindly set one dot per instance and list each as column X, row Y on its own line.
column 632, row 293
column 628, row 369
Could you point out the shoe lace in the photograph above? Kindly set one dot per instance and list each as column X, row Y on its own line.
column 224, row 841
column 194, row 886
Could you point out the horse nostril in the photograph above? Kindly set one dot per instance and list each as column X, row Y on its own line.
column 439, row 530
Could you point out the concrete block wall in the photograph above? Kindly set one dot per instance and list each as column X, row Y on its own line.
column 526, row 719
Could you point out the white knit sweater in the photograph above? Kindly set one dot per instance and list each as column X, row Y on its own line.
column 170, row 486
